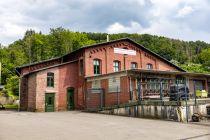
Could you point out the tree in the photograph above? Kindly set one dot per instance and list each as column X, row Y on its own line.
column 12, row 86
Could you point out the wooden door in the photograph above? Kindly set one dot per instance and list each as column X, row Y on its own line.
column 70, row 99
column 49, row 102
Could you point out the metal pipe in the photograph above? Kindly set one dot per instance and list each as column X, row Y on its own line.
column 185, row 90
column 19, row 88
column 161, row 90
column 118, row 99
column 19, row 94
column 130, row 88
column 195, row 93
column 139, row 90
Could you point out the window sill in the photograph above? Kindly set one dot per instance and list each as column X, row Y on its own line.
column 114, row 92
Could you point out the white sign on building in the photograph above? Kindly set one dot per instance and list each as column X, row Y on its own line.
column 124, row 51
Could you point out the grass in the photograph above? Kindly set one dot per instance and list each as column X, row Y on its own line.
column 15, row 106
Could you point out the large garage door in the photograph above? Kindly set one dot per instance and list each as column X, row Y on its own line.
column 199, row 85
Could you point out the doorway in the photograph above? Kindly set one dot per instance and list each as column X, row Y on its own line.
column 70, row 99
column 49, row 102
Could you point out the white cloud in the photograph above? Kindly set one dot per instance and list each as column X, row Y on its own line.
column 116, row 27
column 185, row 11
column 172, row 18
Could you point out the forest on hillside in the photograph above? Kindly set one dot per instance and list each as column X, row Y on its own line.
column 193, row 56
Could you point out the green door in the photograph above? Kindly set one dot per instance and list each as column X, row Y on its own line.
column 70, row 99
column 49, row 102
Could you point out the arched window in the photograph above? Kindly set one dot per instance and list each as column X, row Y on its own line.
column 116, row 66
column 149, row 66
column 96, row 66
column 50, row 79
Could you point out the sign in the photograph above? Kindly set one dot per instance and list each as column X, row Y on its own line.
column 124, row 51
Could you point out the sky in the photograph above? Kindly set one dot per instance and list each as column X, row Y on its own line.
column 187, row 20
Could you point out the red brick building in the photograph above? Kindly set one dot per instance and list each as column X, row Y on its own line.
column 64, row 83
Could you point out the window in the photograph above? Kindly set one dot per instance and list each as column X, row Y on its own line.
column 133, row 65
column 116, row 66
column 114, row 84
column 50, row 79
column 97, row 66
column 149, row 66
column 81, row 66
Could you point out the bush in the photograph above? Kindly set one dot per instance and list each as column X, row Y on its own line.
column 12, row 86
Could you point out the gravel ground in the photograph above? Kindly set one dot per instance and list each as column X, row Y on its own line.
column 75, row 125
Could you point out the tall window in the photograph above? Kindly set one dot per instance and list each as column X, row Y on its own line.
column 97, row 66
column 50, row 79
column 149, row 66
column 81, row 66
column 116, row 66
column 133, row 65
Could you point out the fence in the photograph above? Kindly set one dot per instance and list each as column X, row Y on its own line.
column 95, row 98
column 100, row 97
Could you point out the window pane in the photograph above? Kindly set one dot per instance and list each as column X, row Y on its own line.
column 81, row 67
column 116, row 66
column 50, row 79
column 149, row 66
column 133, row 65
column 96, row 66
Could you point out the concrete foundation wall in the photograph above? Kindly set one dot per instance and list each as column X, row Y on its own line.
column 176, row 113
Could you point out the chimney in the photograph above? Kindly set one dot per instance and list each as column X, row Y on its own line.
column 107, row 37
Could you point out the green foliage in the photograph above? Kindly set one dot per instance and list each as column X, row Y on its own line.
column 12, row 86
column 204, row 57
column 13, row 106
column 198, row 68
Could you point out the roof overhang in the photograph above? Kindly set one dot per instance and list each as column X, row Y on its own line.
column 138, row 72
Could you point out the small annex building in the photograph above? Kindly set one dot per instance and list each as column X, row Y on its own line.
column 72, row 81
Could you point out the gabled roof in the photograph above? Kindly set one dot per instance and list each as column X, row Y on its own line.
column 137, row 44
column 107, row 43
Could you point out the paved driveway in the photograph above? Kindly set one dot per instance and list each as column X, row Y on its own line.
column 77, row 125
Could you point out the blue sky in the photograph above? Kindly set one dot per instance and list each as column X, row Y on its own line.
column 179, row 19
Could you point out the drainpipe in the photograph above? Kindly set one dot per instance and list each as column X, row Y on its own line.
column 186, row 95
column 139, row 89
column 130, row 82
column 19, row 88
column 124, row 61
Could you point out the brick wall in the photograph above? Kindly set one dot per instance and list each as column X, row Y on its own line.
column 109, row 98
column 24, row 93
column 107, row 56
column 32, row 92
column 92, row 99
column 68, row 78
column 41, row 65
column 42, row 89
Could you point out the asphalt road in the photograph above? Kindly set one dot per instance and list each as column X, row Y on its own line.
column 77, row 125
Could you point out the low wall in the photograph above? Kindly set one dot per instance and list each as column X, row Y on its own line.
column 161, row 110
column 6, row 100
